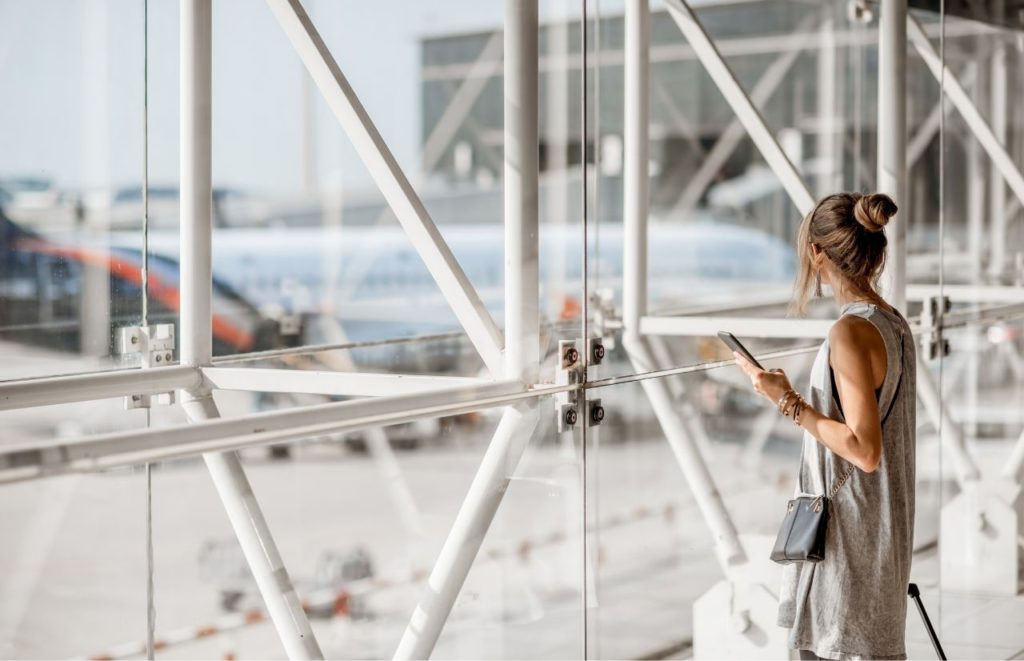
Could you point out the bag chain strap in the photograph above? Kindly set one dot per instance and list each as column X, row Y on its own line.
column 840, row 483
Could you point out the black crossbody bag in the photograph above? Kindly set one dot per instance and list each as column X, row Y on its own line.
column 802, row 534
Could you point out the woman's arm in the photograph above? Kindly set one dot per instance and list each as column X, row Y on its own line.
column 853, row 342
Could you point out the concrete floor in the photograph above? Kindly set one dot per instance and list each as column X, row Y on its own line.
column 72, row 567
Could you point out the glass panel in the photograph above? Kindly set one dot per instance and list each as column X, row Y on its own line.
column 72, row 565
column 306, row 250
column 360, row 519
column 70, row 178
column 981, row 268
column 722, row 230
column 656, row 552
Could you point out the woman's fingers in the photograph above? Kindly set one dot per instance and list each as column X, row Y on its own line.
column 745, row 364
column 769, row 384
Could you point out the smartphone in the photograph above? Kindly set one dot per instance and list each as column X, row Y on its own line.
column 734, row 344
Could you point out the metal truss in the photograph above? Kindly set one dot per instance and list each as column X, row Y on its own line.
column 513, row 357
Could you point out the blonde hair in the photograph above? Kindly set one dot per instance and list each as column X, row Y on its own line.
column 849, row 229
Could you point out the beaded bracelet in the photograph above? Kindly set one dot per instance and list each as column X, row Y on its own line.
column 786, row 400
column 791, row 405
column 797, row 410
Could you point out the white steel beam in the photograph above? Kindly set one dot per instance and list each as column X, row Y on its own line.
column 733, row 47
column 465, row 94
column 521, row 183
column 926, row 132
column 741, row 104
column 196, row 183
column 635, row 178
column 930, row 126
column 392, row 182
column 952, row 437
column 1015, row 463
column 522, row 336
column 968, row 293
column 25, row 393
column 486, row 65
column 197, row 336
column 892, row 141
column 379, row 447
column 997, row 187
column 116, row 450
column 733, row 134
column 698, row 326
column 828, row 149
column 996, row 151
column 342, row 384
column 682, row 438
column 468, row 531
column 257, row 542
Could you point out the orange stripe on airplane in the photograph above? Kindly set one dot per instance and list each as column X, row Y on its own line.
column 167, row 294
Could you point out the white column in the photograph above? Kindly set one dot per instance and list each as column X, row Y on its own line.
column 522, row 326
column 635, row 163
column 828, row 136
column 556, row 178
column 197, row 338
column 892, row 141
column 974, row 173
column 196, row 182
column 681, row 436
column 522, row 338
column 997, row 187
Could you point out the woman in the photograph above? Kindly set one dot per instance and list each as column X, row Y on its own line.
column 859, row 422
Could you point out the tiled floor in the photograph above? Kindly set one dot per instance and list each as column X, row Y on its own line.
column 969, row 626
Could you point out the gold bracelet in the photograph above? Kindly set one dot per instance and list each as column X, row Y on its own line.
column 797, row 410
column 800, row 410
column 791, row 399
column 784, row 401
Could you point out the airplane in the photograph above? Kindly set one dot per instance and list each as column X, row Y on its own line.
column 369, row 278
column 280, row 287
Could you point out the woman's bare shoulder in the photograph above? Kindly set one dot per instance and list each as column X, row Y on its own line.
column 852, row 336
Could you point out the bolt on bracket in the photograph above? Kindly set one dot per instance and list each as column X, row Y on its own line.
column 570, row 372
column 155, row 346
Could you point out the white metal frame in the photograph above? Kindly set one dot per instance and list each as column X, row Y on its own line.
column 196, row 349
column 513, row 358
column 392, row 182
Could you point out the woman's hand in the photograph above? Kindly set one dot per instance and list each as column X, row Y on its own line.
column 772, row 384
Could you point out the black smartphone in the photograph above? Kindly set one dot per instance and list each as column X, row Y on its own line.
column 734, row 344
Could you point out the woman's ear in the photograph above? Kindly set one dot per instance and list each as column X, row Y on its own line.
column 817, row 255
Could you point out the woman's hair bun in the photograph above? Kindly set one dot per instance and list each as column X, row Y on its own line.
column 874, row 211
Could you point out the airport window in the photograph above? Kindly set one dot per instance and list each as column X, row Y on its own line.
column 392, row 330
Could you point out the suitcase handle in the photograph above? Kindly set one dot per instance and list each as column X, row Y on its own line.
column 915, row 594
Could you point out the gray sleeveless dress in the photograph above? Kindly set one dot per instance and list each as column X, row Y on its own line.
column 853, row 604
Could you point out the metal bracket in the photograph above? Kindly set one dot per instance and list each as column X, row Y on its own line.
column 933, row 343
column 570, row 371
column 155, row 346
column 572, row 366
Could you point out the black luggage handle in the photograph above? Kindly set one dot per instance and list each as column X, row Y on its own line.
column 915, row 594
